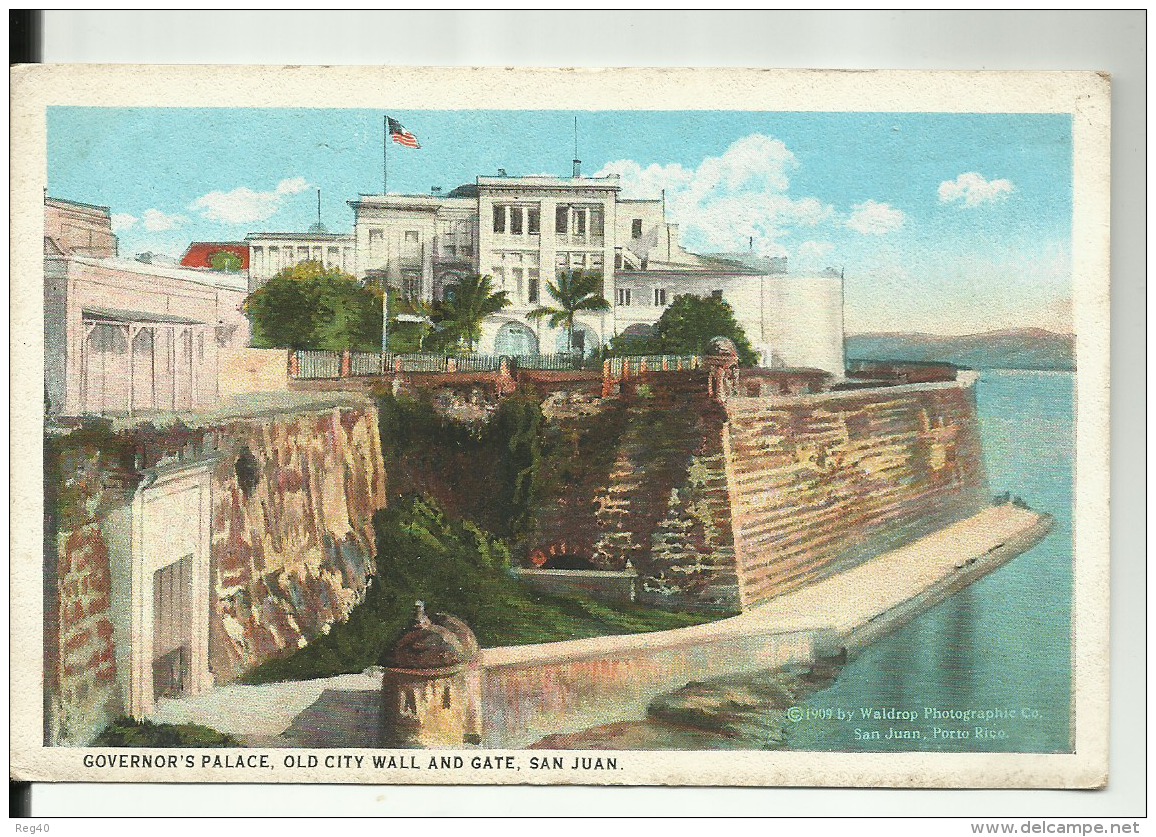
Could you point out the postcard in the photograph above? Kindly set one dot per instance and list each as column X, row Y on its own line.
column 451, row 426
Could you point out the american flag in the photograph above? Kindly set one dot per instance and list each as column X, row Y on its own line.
column 400, row 135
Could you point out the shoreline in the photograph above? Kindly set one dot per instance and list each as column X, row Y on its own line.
column 749, row 710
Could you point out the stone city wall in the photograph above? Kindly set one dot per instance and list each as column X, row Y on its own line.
column 821, row 482
column 292, row 531
column 532, row 691
column 292, row 544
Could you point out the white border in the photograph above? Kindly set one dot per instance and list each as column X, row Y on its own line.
column 1087, row 40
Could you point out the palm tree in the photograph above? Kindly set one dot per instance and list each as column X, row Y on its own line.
column 574, row 291
column 473, row 301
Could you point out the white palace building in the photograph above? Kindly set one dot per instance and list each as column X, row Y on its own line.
column 522, row 230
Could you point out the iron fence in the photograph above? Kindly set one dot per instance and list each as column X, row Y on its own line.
column 318, row 364
column 478, row 363
column 624, row 366
column 563, row 362
column 368, row 363
column 314, row 365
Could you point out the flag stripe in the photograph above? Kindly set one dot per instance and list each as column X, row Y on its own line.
column 400, row 135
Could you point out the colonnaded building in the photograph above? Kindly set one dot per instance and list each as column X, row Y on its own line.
column 523, row 230
column 124, row 335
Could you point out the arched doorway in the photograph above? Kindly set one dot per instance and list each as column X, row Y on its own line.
column 560, row 556
column 636, row 334
column 515, row 340
column 144, row 390
column 585, row 341
column 105, row 370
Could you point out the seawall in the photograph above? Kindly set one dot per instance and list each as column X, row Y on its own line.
column 819, row 483
column 538, row 690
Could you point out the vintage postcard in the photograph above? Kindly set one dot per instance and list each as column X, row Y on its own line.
column 704, row 427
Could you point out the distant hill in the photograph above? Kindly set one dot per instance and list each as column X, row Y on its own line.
column 1027, row 348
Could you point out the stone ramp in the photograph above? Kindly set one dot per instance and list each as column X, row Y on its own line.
column 328, row 712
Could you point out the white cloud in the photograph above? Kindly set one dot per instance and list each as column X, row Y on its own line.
column 244, row 206
column 873, row 218
column 122, row 221
column 728, row 202
column 974, row 189
column 813, row 255
column 156, row 221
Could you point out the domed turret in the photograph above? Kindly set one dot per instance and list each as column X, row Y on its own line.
column 431, row 685
column 722, row 363
column 461, row 632
column 722, row 347
column 428, row 646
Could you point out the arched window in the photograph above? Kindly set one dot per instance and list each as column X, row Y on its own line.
column 446, row 697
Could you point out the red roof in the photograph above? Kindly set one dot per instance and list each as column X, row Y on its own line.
column 200, row 253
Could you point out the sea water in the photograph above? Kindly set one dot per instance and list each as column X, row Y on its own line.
column 989, row 670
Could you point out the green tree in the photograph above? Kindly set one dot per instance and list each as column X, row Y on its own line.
column 308, row 306
column 687, row 326
column 225, row 260
column 574, row 291
column 472, row 301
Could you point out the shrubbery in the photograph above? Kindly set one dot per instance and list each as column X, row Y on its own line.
column 456, row 567
column 125, row 732
column 686, row 327
column 308, row 306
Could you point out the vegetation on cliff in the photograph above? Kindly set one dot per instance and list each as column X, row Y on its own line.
column 456, row 567
column 486, row 471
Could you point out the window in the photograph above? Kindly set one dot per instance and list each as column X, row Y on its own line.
column 412, row 236
column 636, row 228
column 533, row 220
column 499, row 219
column 660, row 296
column 624, row 297
column 411, row 284
column 579, row 224
column 515, row 220
column 561, row 215
column 446, row 701
column 618, row 260
column 532, row 285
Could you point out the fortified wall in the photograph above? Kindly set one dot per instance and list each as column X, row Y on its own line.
column 184, row 555
column 720, row 503
column 821, row 482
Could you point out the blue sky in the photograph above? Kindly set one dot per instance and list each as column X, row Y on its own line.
column 945, row 223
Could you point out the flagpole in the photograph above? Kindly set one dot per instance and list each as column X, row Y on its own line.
column 385, row 271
